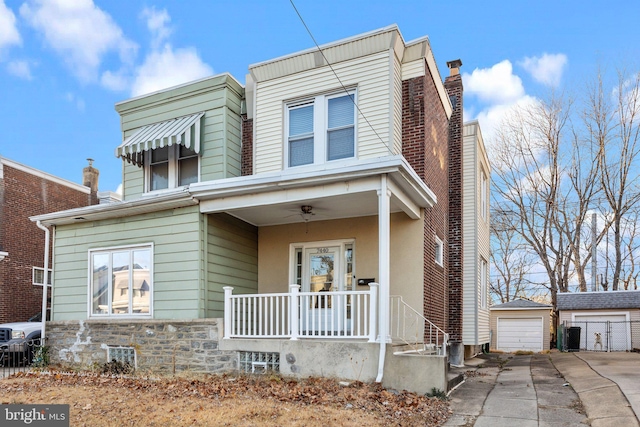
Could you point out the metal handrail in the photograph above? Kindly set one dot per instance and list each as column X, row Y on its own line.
column 415, row 330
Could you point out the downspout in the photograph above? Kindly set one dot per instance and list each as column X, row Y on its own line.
column 46, row 279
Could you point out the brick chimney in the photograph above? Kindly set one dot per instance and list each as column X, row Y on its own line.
column 453, row 85
column 90, row 179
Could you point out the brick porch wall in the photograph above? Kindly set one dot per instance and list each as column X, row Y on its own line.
column 23, row 195
column 425, row 146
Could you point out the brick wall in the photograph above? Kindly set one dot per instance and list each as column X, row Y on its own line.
column 160, row 345
column 453, row 85
column 425, row 146
column 23, row 195
column 247, row 146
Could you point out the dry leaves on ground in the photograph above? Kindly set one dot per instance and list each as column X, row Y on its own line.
column 222, row 400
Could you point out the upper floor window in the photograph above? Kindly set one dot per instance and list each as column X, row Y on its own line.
column 321, row 129
column 171, row 167
column 484, row 203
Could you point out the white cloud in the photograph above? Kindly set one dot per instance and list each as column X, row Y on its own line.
column 499, row 89
column 158, row 25
column 546, row 69
column 116, row 81
column 9, row 34
column 20, row 69
column 80, row 32
column 75, row 101
column 496, row 85
column 167, row 68
column 491, row 117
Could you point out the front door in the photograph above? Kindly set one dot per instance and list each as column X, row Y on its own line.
column 324, row 270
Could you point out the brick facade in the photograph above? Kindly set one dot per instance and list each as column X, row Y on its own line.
column 425, row 146
column 23, row 194
column 453, row 85
column 247, row 146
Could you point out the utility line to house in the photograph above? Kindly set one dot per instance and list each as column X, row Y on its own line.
column 337, row 77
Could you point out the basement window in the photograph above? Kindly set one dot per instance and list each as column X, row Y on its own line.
column 257, row 362
column 122, row 355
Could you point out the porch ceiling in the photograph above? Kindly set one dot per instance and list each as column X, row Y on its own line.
column 343, row 192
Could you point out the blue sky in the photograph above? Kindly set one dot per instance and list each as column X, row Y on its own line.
column 65, row 63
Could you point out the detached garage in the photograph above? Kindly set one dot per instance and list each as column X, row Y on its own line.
column 608, row 321
column 520, row 325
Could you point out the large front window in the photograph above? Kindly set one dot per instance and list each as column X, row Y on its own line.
column 171, row 167
column 321, row 129
column 121, row 281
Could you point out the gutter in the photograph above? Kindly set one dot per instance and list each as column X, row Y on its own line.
column 45, row 285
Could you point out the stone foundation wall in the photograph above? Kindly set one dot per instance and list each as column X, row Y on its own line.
column 160, row 345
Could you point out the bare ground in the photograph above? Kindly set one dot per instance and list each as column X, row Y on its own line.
column 221, row 400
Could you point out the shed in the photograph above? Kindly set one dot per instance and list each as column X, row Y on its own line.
column 608, row 320
column 520, row 325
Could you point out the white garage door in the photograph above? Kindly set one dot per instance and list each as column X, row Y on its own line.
column 520, row 334
column 613, row 331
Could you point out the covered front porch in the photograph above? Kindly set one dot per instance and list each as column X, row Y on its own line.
column 333, row 245
column 351, row 335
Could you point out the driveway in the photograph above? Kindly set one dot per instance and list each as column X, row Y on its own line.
column 551, row 390
column 608, row 384
column 507, row 390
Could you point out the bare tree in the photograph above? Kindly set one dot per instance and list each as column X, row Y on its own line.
column 511, row 259
column 528, row 178
column 612, row 119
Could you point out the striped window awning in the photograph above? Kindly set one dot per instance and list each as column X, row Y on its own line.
column 182, row 130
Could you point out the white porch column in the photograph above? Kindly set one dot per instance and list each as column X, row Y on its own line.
column 294, row 310
column 374, row 288
column 384, row 264
column 228, row 290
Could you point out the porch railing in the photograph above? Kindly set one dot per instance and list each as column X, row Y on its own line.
column 413, row 329
column 295, row 315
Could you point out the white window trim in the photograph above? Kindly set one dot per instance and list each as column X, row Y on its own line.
column 342, row 243
column 320, row 123
column 33, row 276
column 173, row 172
column 483, row 194
column 484, row 272
column 439, row 251
column 109, row 249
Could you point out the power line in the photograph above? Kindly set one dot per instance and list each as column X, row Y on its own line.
column 336, row 74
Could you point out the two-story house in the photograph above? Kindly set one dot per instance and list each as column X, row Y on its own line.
column 300, row 222
column 24, row 192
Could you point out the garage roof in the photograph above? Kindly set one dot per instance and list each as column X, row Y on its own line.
column 520, row 304
column 598, row 300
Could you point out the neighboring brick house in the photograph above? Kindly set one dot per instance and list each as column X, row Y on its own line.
column 24, row 192
column 307, row 221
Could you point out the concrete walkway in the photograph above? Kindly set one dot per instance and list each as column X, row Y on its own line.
column 608, row 385
column 507, row 390
column 554, row 390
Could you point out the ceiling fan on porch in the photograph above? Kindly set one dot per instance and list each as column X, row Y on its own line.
column 306, row 212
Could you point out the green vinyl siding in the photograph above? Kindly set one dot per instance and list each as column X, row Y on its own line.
column 219, row 97
column 178, row 277
column 232, row 260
